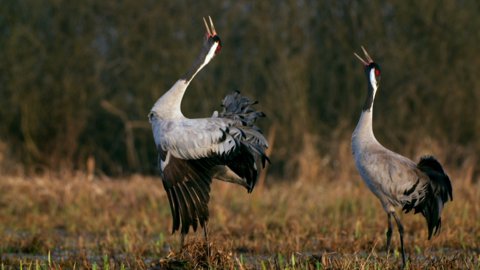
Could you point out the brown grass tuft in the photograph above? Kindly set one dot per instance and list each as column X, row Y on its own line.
column 311, row 224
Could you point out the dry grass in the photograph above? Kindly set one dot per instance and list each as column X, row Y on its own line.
column 70, row 222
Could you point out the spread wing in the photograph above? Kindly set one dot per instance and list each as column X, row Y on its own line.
column 190, row 149
column 196, row 138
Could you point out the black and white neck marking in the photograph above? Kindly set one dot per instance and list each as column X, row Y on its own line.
column 210, row 48
column 372, row 71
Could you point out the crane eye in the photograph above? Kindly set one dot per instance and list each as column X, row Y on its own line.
column 377, row 72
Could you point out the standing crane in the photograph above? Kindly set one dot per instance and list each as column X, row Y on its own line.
column 191, row 152
column 396, row 180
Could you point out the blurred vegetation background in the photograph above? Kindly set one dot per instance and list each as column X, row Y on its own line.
column 78, row 78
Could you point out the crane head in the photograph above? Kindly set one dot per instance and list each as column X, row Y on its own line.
column 211, row 47
column 372, row 69
column 212, row 38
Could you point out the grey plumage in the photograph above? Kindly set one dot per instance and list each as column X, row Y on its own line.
column 240, row 108
column 192, row 152
column 396, row 180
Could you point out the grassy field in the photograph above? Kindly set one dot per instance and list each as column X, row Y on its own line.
column 68, row 221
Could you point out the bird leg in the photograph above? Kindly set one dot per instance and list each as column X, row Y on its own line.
column 389, row 231
column 182, row 241
column 400, row 231
column 205, row 235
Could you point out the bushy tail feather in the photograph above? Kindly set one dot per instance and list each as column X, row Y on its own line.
column 240, row 108
column 439, row 191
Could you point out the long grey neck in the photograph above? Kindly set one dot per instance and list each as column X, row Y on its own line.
column 364, row 126
column 363, row 137
column 363, row 134
column 168, row 106
column 365, row 123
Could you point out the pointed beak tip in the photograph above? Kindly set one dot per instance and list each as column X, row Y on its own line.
column 361, row 59
column 212, row 27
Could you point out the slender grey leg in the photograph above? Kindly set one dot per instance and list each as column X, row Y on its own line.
column 389, row 231
column 182, row 241
column 400, row 231
column 205, row 234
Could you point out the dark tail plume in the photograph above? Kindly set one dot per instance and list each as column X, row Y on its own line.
column 251, row 156
column 439, row 191
column 240, row 108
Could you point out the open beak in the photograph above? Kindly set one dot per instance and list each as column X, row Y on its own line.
column 210, row 29
column 367, row 57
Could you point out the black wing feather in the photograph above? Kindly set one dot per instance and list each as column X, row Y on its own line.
column 187, row 183
column 174, row 210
